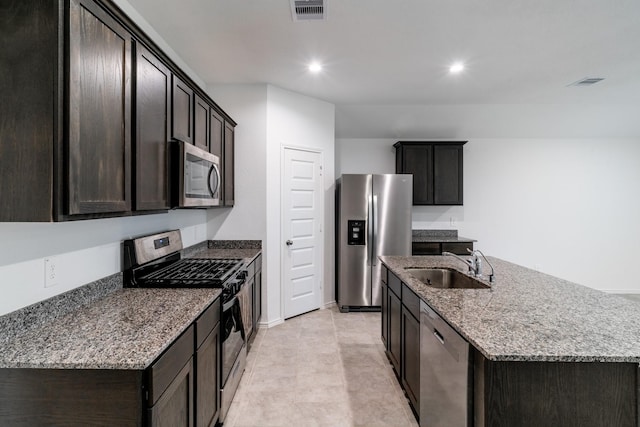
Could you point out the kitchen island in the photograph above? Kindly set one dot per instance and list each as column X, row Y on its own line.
column 544, row 351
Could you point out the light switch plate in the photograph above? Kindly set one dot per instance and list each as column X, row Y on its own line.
column 50, row 272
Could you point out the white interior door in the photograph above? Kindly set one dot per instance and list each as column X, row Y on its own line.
column 302, row 210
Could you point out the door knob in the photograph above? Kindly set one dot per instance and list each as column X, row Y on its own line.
column 289, row 242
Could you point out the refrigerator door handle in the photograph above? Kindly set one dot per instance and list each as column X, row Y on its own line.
column 374, row 215
column 369, row 230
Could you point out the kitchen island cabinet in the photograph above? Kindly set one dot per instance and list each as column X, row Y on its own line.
column 135, row 357
column 544, row 351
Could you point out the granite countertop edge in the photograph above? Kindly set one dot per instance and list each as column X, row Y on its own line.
column 430, row 239
column 106, row 331
column 529, row 316
column 126, row 330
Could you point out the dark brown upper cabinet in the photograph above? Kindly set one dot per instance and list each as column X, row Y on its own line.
column 99, row 128
column 228, row 180
column 216, row 133
column 201, row 123
column 153, row 109
column 31, row 115
column 87, row 111
column 182, row 111
column 436, row 167
column 66, row 113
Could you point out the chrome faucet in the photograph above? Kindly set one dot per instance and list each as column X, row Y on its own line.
column 475, row 263
column 472, row 263
column 474, row 254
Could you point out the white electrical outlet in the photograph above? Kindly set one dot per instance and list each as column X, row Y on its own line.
column 50, row 272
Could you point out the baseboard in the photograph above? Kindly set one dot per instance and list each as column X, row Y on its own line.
column 327, row 305
column 271, row 324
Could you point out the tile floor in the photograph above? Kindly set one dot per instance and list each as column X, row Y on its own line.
column 324, row 368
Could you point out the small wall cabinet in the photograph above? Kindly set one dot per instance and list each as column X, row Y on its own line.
column 436, row 168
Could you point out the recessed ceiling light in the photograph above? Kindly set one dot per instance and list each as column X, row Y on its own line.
column 315, row 67
column 456, row 67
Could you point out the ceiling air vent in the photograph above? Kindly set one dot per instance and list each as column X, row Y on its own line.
column 587, row 81
column 308, row 10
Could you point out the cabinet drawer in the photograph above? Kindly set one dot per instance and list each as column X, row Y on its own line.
column 394, row 283
column 425, row 248
column 383, row 274
column 411, row 301
column 207, row 321
column 169, row 365
column 457, row 248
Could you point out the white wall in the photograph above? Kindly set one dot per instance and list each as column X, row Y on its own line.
column 268, row 119
column 247, row 104
column 297, row 120
column 567, row 207
column 83, row 251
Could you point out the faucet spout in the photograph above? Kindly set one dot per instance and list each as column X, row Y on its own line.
column 471, row 264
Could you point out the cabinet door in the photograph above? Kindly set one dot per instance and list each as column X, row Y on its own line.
column 29, row 58
column 208, row 380
column 247, row 310
column 201, row 124
column 447, row 174
column 257, row 299
column 418, row 160
column 99, row 150
column 411, row 358
column 175, row 407
column 395, row 330
column 153, row 97
column 216, row 133
column 182, row 111
column 228, row 164
column 385, row 315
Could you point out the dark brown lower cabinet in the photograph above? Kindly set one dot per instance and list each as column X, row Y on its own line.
column 177, row 390
column 394, row 352
column 528, row 394
column 410, row 377
column 174, row 408
column 385, row 316
column 208, row 361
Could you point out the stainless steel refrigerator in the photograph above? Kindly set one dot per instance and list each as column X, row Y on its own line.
column 373, row 217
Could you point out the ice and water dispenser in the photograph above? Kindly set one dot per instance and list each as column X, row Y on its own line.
column 355, row 232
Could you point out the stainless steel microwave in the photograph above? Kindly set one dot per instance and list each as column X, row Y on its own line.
column 198, row 177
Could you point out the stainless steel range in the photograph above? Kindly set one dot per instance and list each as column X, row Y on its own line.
column 155, row 261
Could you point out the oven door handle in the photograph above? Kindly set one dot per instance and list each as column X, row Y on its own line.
column 227, row 305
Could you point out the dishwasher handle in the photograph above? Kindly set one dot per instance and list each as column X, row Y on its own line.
column 438, row 336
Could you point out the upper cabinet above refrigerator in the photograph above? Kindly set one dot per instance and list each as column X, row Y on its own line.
column 436, row 167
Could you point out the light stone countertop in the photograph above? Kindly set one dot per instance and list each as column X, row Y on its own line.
column 127, row 329
column 531, row 316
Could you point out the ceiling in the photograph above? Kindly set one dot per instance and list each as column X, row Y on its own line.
column 397, row 52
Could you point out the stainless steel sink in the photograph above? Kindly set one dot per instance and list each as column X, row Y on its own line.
column 446, row 278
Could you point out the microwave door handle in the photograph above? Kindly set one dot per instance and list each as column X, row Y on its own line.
column 213, row 188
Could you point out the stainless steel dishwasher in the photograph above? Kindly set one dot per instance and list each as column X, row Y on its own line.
column 445, row 381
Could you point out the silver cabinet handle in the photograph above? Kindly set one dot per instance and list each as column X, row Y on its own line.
column 289, row 242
